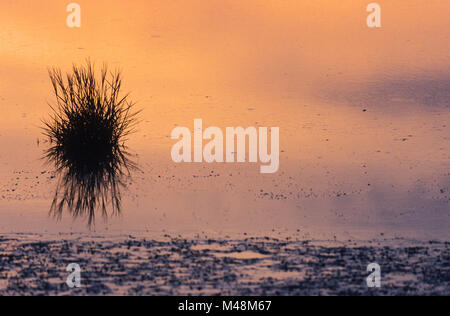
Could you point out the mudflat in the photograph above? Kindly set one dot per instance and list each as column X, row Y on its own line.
column 125, row 265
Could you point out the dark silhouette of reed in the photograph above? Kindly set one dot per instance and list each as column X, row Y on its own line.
column 88, row 129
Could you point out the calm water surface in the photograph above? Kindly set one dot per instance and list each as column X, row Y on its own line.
column 363, row 114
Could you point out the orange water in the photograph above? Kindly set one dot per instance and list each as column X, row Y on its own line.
column 308, row 67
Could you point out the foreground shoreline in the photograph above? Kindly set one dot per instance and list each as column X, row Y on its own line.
column 253, row 266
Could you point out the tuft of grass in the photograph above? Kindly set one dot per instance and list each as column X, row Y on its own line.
column 88, row 129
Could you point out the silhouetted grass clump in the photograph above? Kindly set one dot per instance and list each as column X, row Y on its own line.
column 87, row 132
